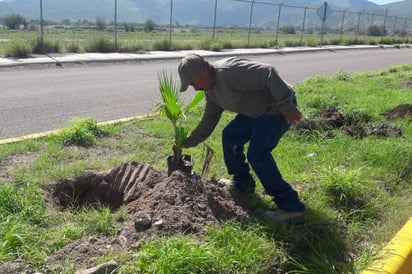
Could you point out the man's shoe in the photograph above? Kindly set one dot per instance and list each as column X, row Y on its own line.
column 248, row 188
column 288, row 217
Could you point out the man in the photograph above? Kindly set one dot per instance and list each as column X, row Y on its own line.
column 266, row 107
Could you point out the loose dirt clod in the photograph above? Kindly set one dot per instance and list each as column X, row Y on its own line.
column 156, row 205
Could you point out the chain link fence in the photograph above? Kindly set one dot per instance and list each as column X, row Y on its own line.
column 251, row 23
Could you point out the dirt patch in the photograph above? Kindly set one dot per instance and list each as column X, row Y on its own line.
column 407, row 83
column 10, row 163
column 399, row 112
column 156, row 205
column 331, row 118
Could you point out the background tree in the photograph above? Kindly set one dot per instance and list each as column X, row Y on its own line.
column 100, row 23
column 376, row 31
column 288, row 29
column 13, row 21
column 149, row 26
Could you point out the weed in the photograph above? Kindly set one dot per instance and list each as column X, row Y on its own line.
column 81, row 132
column 18, row 49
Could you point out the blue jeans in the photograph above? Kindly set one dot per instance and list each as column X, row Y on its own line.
column 263, row 134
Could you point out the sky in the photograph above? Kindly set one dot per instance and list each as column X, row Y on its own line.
column 379, row 2
column 382, row 2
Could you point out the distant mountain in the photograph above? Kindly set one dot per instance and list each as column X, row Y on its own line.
column 402, row 9
column 199, row 12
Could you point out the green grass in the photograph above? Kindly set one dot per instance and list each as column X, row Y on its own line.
column 357, row 189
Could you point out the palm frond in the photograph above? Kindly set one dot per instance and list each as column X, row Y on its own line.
column 198, row 97
column 172, row 104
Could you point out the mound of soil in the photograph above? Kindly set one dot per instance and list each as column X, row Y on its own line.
column 156, row 205
column 399, row 112
column 331, row 118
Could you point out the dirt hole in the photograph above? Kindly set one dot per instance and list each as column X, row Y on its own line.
column 113, row 189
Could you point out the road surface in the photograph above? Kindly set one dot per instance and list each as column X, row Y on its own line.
column 34, row 100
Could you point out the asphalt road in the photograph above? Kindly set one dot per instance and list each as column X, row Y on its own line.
column 34, row 100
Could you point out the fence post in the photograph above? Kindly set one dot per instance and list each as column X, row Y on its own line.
column 323, row 23
column 394, row 26
column 250, row 22
column 115, row 23
column 384, row 23
column 341, row 27
column 303, row 25
column 214, row 21
column 41, row 21
column 404, row 27
column 170, row 24
column 357, row 31
column 277, row 26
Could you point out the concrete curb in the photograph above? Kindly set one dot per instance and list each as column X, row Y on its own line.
column 396, row 257
column 84, row 58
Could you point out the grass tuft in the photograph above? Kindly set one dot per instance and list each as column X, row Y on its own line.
column 81, row 132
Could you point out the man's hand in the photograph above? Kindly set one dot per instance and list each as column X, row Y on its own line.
column 293, row 116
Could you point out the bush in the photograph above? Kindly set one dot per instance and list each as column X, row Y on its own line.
column 386, row 40
column 227, row 45
column 334, row 41
column 209, row 44
column 149, row 26
column 311, row 42
column 18, row 49
column 42, row 46
column 376, row 31
column 182, row 46
column 73, row 47
column 291, row 43
column 162, row 45
column 13, row 21
column 131, row 48
column 102, row 44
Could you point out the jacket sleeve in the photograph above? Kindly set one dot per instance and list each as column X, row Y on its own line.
column 204, row 129
column 282, row 92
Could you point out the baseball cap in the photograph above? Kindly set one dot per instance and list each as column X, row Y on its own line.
column 189, row 65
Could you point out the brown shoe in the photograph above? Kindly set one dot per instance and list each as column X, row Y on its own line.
column 248, row 189
column 288, row 217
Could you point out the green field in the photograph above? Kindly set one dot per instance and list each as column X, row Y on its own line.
column 80, row 40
